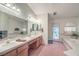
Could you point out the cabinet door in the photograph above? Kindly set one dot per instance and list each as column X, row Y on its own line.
column 41, row 40
column 12, row 53
column 38, row 43
column 20, row 49
column 23, row 53
column 23, row 50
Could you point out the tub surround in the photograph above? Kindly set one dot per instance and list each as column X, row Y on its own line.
column 13, row 45
column 72, row 45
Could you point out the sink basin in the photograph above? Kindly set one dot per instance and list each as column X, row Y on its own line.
column 20, row 40
column 6, row 46
column 6, row 43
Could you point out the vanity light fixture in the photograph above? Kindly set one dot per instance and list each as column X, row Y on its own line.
column 7, row 4
column 18, row 9
column 13, row 7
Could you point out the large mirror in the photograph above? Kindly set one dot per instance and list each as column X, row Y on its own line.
column 34, row 27
column 31, row 28
column 11, row 26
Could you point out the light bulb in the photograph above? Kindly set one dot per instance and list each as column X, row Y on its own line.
column 18, row 9
column 8, row 5
column 13, row 8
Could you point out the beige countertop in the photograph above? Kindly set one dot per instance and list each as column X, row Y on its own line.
column 5, row 47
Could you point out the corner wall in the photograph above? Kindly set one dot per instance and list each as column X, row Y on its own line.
column 44, row 21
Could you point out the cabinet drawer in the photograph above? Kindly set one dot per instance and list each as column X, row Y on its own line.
column 20, row 49
column 12, row 53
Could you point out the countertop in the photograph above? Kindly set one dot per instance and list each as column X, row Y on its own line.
column 74, row 44
column 5, row 47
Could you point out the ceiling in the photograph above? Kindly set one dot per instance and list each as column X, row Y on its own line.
column 61, row 9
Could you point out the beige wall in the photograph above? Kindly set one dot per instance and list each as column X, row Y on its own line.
column 44, row 21
column 74, row 21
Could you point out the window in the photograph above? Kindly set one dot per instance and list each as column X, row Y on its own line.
column 69, row 29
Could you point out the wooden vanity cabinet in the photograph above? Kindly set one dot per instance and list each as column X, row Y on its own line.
column 11, row 53
column 39, row 41
column 23, row 53
column 34, row 44
column 27, row 48
column 20, row 51
column 23, row 50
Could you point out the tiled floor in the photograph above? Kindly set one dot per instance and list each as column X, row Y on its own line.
column 55, row 49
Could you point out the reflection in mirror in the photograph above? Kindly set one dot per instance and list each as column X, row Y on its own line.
column 11, row 26
column 37, row 28
column 3, row 25
column 17, row 26
column 34, row 27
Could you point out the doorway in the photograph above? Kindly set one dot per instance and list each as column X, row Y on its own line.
column 55, row 33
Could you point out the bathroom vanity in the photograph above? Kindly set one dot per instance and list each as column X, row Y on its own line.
column 24, row 48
